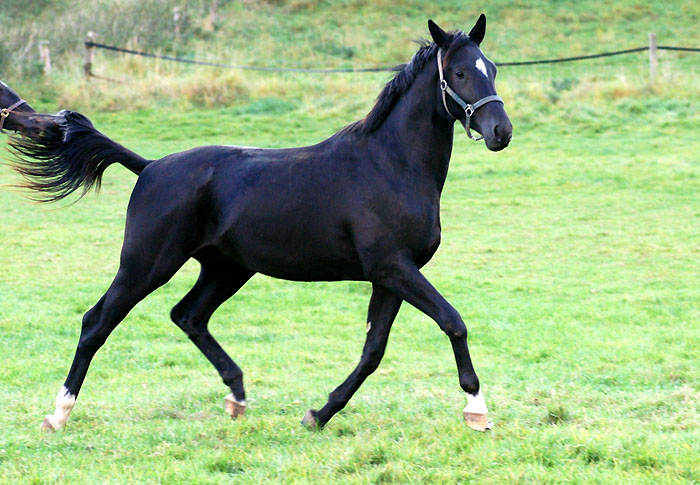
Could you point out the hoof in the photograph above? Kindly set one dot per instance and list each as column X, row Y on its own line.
column 310, row 420
column 479, row 422
column 233, row 407
column 48, row 426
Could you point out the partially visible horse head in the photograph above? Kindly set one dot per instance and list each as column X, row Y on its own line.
column 17, row 115
column 471, row 76
column 9, row 108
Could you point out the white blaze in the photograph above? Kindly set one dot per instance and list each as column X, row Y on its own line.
column 481, row 66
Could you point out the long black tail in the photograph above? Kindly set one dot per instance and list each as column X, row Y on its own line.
column 67, row 155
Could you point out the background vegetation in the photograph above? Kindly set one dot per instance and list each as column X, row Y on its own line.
column 573, row 256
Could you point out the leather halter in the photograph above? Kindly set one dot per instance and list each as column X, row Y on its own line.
column 468, row 108
column 5, row 112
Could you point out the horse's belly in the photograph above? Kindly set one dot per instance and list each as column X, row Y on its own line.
column 294, row 251
column 321, row 271
column 309, row 267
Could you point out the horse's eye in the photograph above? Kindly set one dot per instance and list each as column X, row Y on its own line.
column 459, row 74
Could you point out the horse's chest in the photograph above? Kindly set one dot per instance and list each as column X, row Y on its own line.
column 419, row 227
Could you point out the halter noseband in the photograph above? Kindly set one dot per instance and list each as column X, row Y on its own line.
column 468, row 108
column 5, row 112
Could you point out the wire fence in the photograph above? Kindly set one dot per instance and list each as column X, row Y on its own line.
column 92, row 45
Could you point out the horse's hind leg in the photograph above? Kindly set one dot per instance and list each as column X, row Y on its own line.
column 216, row 284
column 383, row 307
column 132, row 284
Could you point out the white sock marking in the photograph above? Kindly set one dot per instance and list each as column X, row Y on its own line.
column 232, row 398
column 476, row 404
column 482, row 67
column 64, row 405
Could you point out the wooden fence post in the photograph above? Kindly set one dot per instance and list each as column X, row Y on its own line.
column 653, row 59
column 45, row 56
column 177, row 17
column 212, row 14
column 89, row 54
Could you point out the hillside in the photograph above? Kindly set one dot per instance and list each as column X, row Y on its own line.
column 349, row 33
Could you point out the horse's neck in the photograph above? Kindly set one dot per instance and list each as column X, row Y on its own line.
column 422, row 133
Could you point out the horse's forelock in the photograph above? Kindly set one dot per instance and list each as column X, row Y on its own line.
column 459, row 40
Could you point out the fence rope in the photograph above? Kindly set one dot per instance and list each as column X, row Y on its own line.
column 574, row 58
column 676, row 48
column 377, row 69
column 231, row 66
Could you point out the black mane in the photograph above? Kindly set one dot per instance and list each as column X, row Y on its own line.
column 394, row 89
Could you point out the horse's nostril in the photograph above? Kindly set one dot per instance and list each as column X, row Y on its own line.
column 496, row 133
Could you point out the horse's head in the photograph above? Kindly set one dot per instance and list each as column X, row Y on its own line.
column 10, row 105
column 17, row 115
column 467, row 82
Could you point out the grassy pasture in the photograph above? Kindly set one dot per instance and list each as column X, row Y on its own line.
column 573, row 257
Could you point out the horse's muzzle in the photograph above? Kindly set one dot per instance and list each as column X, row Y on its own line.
column 495, row 126
column 500, row 136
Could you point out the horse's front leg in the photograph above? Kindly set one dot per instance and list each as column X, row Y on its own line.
column 383, row 307
column 404, row 279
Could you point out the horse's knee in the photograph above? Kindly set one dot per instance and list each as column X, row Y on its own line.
column 92, row 337
column 457, row 332
column 92, row 315
column 371, row 361
column 454, row 327
column 179, row 312
column 177, row 316
column 89, row 344
column 189, row 320
column 180, row 318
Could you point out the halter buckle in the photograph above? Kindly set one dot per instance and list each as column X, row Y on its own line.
column 443, row 84
column 5, row 112
column 469, row 110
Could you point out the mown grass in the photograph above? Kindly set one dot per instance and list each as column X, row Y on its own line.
column 573, row 257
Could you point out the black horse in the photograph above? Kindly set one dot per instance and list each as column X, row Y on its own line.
column 361, row 205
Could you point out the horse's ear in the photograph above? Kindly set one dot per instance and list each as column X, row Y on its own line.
column 440, row 37
column 479, row 30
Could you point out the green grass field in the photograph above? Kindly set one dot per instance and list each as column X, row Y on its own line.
column 573, row 257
